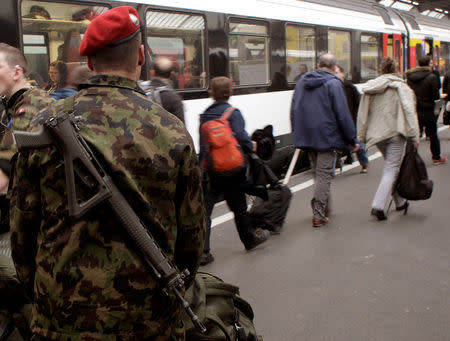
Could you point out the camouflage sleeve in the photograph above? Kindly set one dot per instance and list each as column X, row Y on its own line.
column 24, row 220
column 190, row 214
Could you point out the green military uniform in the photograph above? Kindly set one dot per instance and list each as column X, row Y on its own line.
column 86, row 279
column 22, row 108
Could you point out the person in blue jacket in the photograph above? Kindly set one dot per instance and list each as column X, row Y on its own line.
column 230, row 186
column 321, row 123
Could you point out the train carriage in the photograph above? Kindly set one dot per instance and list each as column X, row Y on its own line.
column 252, row 43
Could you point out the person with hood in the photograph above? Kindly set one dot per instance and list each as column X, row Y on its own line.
column 426, row 87
column 321, row 124
column 386, row 118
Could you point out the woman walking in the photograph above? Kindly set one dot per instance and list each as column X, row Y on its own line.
column 387, row 117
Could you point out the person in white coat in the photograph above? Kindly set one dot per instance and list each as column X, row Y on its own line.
column 387, row 117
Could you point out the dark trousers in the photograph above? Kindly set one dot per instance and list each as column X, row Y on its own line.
column 429, row 122
column 235, row 197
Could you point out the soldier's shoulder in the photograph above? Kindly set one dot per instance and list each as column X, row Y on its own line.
column 39, row 98
column 50, row 109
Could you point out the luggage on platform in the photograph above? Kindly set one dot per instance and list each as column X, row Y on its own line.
column 226, row 315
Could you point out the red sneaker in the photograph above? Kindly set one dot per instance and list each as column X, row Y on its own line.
column 440, row 161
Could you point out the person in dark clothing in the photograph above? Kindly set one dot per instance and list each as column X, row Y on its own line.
column 434, row 70
column 446, row 85
column 303, row 68
column 426, row 87
column 230, row 186
column 279, row 80
column 168, row 98
column 321, row 124
column 353, row 98
column 446, row 97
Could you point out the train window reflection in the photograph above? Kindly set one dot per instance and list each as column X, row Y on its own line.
column 53, row 32
column 369, row 56
column 339, row 44
column 248, row 54
column 300, row 50
column 180, row 37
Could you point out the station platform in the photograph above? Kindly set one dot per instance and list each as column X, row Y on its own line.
column 355, row 279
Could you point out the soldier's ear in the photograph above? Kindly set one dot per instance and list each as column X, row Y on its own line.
column 89, row 64
column 141, row 57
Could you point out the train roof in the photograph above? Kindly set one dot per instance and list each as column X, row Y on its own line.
column 365, row 15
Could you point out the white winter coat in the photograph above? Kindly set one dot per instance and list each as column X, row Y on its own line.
column 387, row 109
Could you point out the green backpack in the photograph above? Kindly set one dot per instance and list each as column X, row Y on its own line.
column 218, row 305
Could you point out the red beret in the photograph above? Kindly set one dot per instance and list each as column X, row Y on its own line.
column 111, row 28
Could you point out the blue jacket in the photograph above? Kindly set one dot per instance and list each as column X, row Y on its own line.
column 63, row 93
column 237, row 124
column 320, row 116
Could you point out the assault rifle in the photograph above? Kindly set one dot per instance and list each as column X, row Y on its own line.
column 62, row 132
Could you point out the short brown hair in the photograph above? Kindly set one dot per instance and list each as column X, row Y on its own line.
column 13, row 57
column 120, row 57
column 424, row 60
column 221, row 88
column 387, row 65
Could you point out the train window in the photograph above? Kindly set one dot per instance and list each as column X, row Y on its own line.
column 339, row 44
column 300, row 50
column 248, row 53
column 419, row 52
column 445, row 59
column 436, row 54
column 369, row 56
column 180, row 37
column 52, row 32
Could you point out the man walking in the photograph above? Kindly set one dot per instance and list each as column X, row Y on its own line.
column 426, row 87
column 86, row 279
column 160, row 90
column 321, row 124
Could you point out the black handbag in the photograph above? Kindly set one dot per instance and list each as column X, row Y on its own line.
column 412, row 182
column 258, row 177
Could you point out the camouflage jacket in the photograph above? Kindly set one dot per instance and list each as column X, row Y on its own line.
column 22, row 107
column 86, row 280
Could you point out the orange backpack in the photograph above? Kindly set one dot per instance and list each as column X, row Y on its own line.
column 224, row 156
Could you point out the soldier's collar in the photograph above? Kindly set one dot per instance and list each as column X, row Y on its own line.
column 13, row 99
column 113, row 81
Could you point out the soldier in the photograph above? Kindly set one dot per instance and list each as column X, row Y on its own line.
column 86, row 279
column 21, row 102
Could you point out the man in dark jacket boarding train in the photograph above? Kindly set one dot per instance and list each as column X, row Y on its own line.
column 321, row 123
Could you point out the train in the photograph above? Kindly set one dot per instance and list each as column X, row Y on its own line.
column 262, row 45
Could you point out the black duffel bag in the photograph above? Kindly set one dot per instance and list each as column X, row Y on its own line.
column 413, row 182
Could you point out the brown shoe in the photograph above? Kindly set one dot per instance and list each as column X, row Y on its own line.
column 316, row 222
column 364, row 169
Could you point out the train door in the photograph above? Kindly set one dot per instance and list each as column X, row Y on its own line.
column 432, row 48
column 415, row 51
column 393, row 47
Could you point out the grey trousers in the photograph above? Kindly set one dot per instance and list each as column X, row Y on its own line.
column 392, row 150
column 322, row 164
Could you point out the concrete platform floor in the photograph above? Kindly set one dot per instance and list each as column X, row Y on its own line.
column 355, row 279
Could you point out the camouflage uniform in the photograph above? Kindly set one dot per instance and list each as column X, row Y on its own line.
column 22, row 107
column 86, row 280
